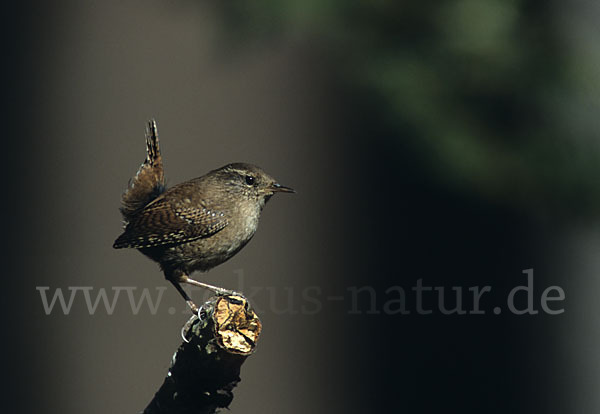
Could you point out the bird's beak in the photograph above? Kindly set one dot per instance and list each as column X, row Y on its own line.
column 278, row 188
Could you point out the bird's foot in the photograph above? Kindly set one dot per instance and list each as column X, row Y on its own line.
column 192, row 306
column 187, row 326
column 199, row 314
column 217, row 290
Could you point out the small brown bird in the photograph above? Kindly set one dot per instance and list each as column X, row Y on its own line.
column 195, row 225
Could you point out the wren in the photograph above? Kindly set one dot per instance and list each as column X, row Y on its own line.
column 195, row 225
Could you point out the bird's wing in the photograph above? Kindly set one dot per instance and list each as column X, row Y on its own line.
column 163, row 223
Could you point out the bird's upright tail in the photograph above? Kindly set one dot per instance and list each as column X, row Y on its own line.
column 149, row 182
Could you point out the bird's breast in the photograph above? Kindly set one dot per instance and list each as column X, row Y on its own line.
column 244, row 223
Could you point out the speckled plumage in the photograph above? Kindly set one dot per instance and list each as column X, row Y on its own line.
column 195, row 225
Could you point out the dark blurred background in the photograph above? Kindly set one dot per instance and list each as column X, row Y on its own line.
column 450, row 141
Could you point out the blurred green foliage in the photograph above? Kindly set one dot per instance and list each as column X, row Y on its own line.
column 491, row 94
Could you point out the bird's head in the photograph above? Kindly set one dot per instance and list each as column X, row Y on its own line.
column 251, row 181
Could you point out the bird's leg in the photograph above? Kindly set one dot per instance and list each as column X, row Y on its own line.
column 219, row 291
column 182, row 292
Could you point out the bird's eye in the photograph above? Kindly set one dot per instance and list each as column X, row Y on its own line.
column 249, row 180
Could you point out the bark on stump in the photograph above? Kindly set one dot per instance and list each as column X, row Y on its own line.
column 205, row 370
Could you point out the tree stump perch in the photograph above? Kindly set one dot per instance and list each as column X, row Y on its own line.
column 205, row 370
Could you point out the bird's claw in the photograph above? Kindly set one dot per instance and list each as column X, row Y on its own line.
column 198, row 315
